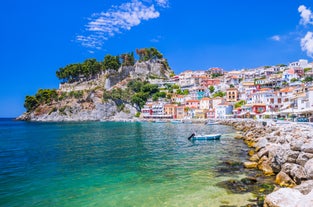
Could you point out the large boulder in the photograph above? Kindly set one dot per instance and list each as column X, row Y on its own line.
column 284, row 180
column 261, row 144
column 307, row 147
column 264, row 165
column 296, row 172
column 303, row 158
column 309, row 168
column 306, row 187
column 284, row 197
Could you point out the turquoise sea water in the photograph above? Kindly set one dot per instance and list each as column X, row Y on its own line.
column 114, row 164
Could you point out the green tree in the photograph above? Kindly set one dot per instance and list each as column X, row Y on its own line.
column 307, row 79
column 240, row 103
column 45, row 96
column 307, row 70
column 219, row 94
column 111, row 62
column 30, row 103
column 211, row 89
column 185, row 92
column 150, row 88
column 135, row 85
column 293, row 80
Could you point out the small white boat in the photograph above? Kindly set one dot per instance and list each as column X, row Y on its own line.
column 193, row 136
column 211, row 122
column 176, row 121
column 160, row 121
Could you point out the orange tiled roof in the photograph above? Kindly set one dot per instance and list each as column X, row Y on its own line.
column 265, row 89
column 286, row 90
column 193, row 101
column 205, row 98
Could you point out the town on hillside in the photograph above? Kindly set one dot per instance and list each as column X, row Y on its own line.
column 281, row 91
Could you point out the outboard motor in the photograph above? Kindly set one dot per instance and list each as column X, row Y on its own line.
column 192, row 135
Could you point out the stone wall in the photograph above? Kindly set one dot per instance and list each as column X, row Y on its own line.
column 284, row 151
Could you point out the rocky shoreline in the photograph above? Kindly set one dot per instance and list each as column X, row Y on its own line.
column 284, row 151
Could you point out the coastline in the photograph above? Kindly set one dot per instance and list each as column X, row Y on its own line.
column 281, row 150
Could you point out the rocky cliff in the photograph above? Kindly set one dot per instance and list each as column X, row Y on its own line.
column 83, row 100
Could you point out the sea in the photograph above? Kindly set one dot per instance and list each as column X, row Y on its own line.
column 120, row 164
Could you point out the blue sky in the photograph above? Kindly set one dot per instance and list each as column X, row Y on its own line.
column 39, row 37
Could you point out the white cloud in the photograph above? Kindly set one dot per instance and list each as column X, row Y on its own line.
column 162, row 3
column 306, row 15
column 156, row 39
column 276, row 38
column 307, row 44
column 104, row 25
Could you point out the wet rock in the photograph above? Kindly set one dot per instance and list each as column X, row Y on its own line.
column 284, row 180
column 234, row 186
column 250, row 165
column 251, row 152
column 249, row 180
column 263, row 152
column 254, row 158
column 239, row 136
column 264, row 165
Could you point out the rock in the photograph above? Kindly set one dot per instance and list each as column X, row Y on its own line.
column 254, row 158
column 277, row 155
column 309, row 168
column 296, row 145
column 261, row 144
column 284, row 197
column 249, row 180
column 251, row 152
column 264, row 165
column 292, row 156
column 239, row 136
column 296, row 172
column 284, row 180
column 305, row 187
column 306, row 201
column 307, row 147
column 263, row 152
column 250, row 164
column 303, row 158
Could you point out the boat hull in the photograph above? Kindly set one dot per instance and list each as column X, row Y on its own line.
column 207, row 137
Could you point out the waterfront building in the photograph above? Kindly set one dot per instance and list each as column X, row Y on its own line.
column 232, row 95
column 224, row 110
column 170, row 109
column 193, row 104
column 205, row 103
column 180, row 112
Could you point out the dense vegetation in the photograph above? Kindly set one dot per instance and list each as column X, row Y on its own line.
column 74, row 72
column 90, row 68
column 43, row 96
column 137, row 92
column 48, row 96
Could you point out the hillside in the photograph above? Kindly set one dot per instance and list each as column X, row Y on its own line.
column 113, row 89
